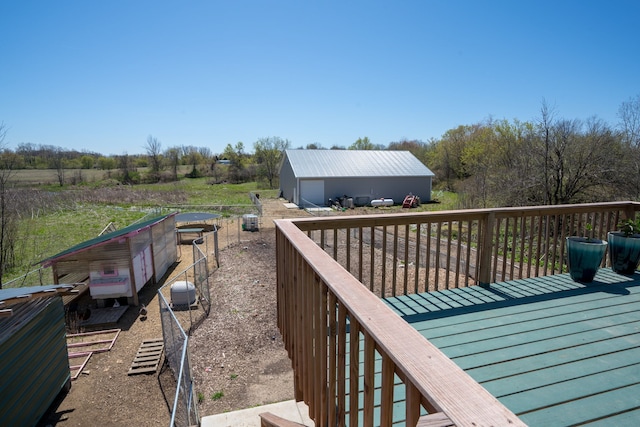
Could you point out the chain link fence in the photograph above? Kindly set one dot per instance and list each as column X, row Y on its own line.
column 185, row 301
column 176, row 344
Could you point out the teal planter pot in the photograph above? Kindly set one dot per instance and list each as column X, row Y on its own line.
column 584, row 257
column 624, row 252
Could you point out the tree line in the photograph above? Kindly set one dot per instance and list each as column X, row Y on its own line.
column 547, row 160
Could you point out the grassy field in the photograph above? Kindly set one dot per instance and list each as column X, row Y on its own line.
column 200, row 193
column 87, row 210
column 46, row 177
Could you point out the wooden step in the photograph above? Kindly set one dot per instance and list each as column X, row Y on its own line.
column 148, row 357
column 267, row 419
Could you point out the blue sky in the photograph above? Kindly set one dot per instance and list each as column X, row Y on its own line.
column 101, row 76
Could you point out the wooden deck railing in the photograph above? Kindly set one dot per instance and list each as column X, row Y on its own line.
column 397, row 254
column 338, row 332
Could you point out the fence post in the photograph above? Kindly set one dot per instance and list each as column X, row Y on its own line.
column 485, row 245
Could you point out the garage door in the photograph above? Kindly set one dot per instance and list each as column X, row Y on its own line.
column 312, row 191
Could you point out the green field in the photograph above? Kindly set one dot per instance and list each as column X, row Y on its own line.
column 81, row 212
column 50, row 177
column 85, row 210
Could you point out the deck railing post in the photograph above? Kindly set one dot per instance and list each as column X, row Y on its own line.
column 629, row 213
column 485, row 245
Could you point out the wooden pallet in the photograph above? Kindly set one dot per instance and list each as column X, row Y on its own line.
column 82, row 346
column 148, row 357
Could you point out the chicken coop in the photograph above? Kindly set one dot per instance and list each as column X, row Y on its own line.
column 120, row 263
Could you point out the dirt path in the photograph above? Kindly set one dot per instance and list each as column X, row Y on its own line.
column 237, row 356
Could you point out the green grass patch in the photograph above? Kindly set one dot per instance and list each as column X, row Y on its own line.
column 48, row 234
column 200, row 191
column 87, row 211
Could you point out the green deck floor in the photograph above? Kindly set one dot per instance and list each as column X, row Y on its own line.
column 555, row 352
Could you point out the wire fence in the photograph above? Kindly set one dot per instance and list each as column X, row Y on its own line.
column 38, row 277
column 176, row 343
column 185, row 301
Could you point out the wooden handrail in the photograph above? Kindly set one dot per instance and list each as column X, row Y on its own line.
column 307, row 279
column 409, row 252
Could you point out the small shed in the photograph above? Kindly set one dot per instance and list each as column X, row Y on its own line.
column 33, row 351
column 120, row 263
column 312, row 177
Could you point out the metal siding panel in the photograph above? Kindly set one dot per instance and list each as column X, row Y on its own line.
column 312, row 191
column 287, row 180
column 165, row 249
column 139, row 242
column 35, row 364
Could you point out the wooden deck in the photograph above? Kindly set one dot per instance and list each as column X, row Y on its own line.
column 553, row 351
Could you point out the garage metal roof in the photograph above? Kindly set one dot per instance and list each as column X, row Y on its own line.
column 354, row 163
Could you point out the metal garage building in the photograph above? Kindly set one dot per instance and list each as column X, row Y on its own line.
column 312, row 177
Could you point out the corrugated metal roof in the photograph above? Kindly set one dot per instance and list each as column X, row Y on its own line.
column 26, row 293
column 355, row 163
column 106, row 238
column 35, row 362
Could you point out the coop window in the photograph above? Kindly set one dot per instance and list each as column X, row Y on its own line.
column 109, row 271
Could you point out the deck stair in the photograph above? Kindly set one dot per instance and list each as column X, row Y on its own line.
column 271, row 420
column 282, row 414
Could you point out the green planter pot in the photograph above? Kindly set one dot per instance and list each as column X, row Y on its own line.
column 584, row 257
column 624, row 252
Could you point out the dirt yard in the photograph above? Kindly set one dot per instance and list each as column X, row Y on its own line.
column 237, row 356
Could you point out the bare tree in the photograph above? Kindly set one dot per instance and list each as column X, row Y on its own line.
column 154, row 152
column 235, row 154
column 7, row 210
column 629, row 114
column 205, row 153
column 57, row 161
column 584, row 160
column 629, row 127
column 125, row 164
column 544, row 125
column 173, row 158
column 192, row 155
column 268, row 153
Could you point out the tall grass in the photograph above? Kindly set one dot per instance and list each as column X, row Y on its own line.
column 199, row 191
column 85, row 212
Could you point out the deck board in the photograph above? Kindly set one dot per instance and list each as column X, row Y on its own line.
column 553, row 351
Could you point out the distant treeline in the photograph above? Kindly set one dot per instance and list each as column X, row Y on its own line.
column 549, row 160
